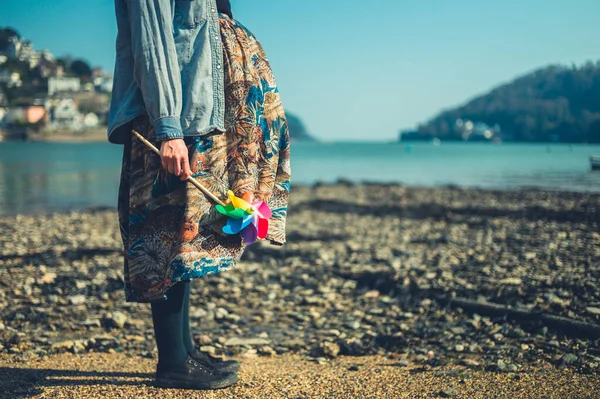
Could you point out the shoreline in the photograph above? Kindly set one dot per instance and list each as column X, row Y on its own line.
column 345, row 184
column 367, row 270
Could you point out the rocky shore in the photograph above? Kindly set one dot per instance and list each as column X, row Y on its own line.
column 488, row 280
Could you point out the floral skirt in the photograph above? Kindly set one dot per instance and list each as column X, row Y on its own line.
column 170, row 230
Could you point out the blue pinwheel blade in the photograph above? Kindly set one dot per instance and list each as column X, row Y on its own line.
column 234, row 226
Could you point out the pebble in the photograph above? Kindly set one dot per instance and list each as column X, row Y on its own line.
column 77, row 299
column 569, row 358
column 330, row 349
column 208, row 349
column 235, row 341
column 266, row 351
column 116, row 319
column 448, row 393
column 204, row 340
column 593, row 310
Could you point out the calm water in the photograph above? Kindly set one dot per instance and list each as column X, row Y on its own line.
column 40, row 177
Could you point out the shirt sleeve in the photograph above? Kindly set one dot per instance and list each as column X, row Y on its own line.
column 156, row 68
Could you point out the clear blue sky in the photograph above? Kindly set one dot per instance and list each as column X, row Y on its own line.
column 355, row 69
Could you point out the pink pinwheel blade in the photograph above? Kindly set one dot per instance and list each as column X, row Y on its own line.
column 262, row 208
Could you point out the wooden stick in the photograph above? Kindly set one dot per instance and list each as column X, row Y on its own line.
column 191, row 179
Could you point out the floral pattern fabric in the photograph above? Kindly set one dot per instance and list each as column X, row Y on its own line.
column 170, row 230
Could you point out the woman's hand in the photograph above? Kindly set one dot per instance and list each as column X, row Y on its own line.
column 175, row 159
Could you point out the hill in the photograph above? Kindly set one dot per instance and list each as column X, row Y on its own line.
column 555, row 103
column 297, row 129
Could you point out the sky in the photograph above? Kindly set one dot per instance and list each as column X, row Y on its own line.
column 357, row 70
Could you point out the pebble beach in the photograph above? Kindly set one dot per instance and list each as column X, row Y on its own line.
column 501, row 285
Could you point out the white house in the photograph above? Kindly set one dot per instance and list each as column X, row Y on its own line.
column 65, row 114
column 63, row 84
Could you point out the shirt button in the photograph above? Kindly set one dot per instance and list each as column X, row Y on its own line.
column 212, row 10
column 218, row 66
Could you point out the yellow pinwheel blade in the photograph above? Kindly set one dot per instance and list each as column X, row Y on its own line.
column 239, row 203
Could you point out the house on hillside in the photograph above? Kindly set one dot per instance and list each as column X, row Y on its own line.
column 24, row 114
column 475, row 131
column 63, row 85
column 64, row 114
column 10, row 79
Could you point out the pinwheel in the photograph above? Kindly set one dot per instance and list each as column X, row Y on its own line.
column 250, row 219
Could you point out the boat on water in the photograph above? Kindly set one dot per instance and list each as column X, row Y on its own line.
column 595, row 162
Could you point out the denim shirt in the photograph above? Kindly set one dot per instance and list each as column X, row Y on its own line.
column 169, row 66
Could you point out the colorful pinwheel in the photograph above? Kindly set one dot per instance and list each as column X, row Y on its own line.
column 249, row 219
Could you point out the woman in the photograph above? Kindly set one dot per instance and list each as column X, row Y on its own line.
column 197, row 84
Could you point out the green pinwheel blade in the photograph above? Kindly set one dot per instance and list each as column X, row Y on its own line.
column 225, row 209
column 236, row 213
column 230, row 211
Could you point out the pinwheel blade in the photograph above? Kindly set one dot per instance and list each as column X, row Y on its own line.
column 234, row 226
column 224, row 209
column 249, row 234
column 262, row 209
column 239, row 203
column 262, row 227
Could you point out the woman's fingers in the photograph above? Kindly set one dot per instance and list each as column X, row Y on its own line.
column 186, row 172
column 174, row 156
column 177, row 166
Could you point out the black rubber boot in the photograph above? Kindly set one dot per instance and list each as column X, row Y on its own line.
column 192, row 374
column 228, row 366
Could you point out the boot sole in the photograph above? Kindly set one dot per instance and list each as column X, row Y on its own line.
column 225, row 382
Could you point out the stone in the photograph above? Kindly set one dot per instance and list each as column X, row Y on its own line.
column 511, row 281
column 569, row 359
column 204, row 340
column 266, row 351
column 208, row 349
column 353, row 325
column 401, row 363
column 353, row 368
column 236, row 341
column 292, row 343
column 459, row 348
column 593, row 310
column 77, row 299
column 91, row 323
column 448, row 393
column 330, row 349
column 371, row 294
column 116, row 319
column 48, row 278
column 63, row 345
column 198, row 313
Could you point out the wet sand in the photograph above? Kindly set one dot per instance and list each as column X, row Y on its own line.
column 291, row 376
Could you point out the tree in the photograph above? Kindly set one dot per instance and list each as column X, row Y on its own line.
column 5, row 35
column 81, row 69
